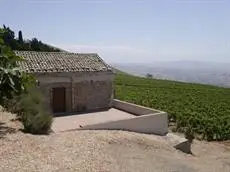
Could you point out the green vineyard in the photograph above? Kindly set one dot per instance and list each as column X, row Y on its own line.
column 204, row 108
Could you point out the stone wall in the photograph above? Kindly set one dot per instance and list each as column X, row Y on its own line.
column 91, row 95
column 83, row 91
column 47, row 90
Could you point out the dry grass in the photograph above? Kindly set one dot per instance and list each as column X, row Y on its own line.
column 8, row 124
column 105, row 151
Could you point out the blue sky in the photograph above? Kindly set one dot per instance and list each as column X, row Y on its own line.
column 127, row 30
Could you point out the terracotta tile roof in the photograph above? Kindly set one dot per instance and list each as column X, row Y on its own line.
column 40, row 62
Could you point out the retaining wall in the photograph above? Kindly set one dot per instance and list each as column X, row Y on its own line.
column 132, row 108
column 147, row 120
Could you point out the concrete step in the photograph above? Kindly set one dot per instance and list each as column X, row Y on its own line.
column 178, row 142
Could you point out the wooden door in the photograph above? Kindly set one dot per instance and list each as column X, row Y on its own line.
column 59, row 102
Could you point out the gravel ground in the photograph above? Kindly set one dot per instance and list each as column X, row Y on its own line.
column 104, row 151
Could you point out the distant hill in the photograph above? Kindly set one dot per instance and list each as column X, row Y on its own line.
column 117, row 71
column 186, row 71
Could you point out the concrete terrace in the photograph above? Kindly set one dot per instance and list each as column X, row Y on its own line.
column 65, row 123
column 121, row 116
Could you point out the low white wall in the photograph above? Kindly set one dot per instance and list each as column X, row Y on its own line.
column 132, row 108
column 150, row 124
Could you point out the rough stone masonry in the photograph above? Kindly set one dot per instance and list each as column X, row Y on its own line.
column 87, row 81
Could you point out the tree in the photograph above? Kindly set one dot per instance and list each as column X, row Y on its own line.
column 20, row 38
column 15, row 93
column 11, row 78
column 35, row 44
column 27, row 45
column 8, row 37
column 148, row 75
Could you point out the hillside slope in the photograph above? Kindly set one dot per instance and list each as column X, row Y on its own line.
column 203, row 108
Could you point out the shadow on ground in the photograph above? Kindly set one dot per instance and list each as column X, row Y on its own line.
column 5, row 130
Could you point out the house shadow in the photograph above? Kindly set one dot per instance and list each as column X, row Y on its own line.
column 4, row 130
column 80, row 112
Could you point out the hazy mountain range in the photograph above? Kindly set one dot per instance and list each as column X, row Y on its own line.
column 187, row 71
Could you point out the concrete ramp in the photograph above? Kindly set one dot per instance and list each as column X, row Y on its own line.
column 149, row 124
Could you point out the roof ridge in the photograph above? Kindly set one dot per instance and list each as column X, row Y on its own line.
column 57, row 52
column 61, row 62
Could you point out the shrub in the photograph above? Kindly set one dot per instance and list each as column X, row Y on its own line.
column 189, row 134
column 29, row 100
column 29, row 107
column 39, row 123
column 31, row 110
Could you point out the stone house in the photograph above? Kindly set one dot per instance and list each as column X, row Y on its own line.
column 70, row 82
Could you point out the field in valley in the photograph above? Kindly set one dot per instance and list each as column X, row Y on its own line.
column 205, row 108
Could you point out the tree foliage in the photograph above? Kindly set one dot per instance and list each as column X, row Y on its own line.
column 11, row 78
column 9, row 37
column 20, row 38
column 20, row 44
column 18, row 93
